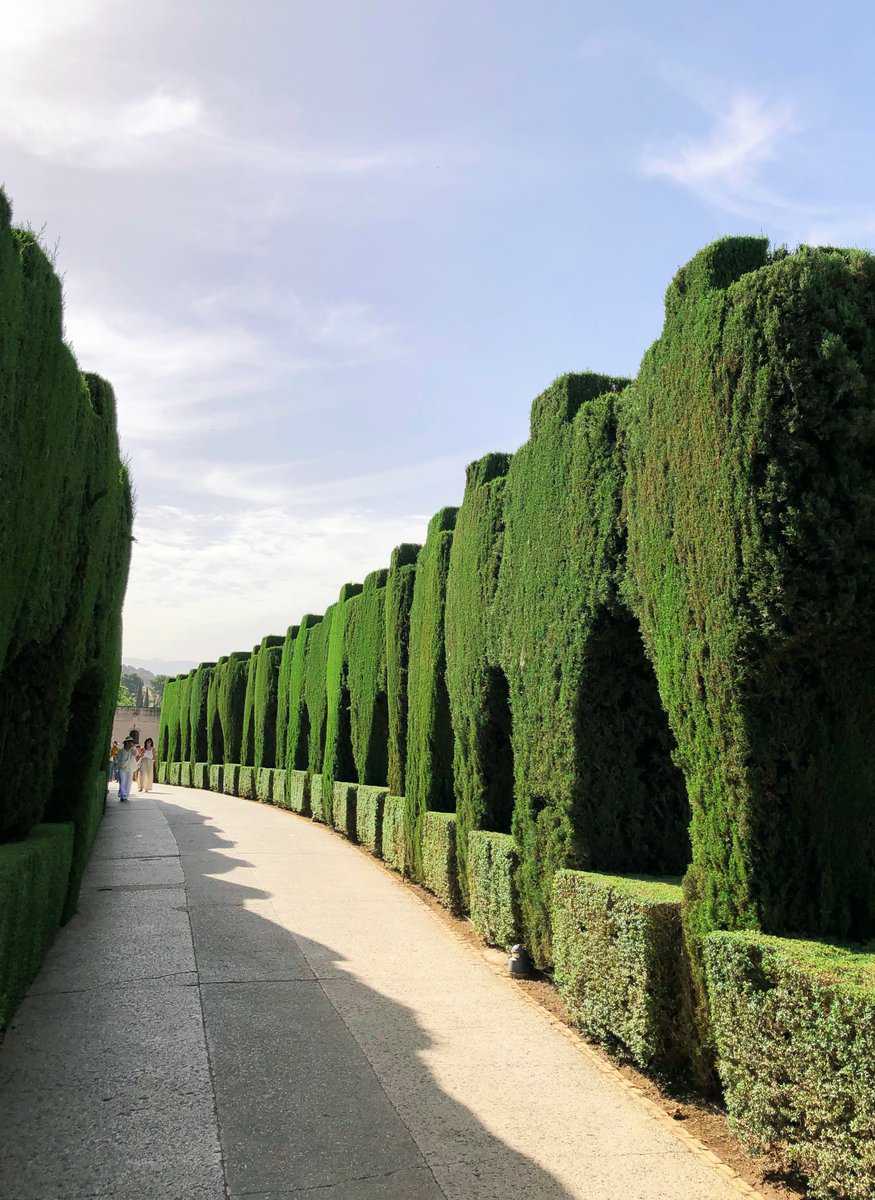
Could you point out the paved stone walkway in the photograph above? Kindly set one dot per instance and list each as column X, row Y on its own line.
column 246, row 1005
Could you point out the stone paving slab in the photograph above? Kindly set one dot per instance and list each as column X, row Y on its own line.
column 248, row 1006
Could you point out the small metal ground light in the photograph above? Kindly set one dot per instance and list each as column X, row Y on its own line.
column 519, row 962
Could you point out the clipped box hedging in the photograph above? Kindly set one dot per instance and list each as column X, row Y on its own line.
column 344, row 809
column 621, row 967
column 491, row 863
column 246, row 782
column 200, row 775
column 162, row 772
column 439, row 863
column 173, row 771
column 216, row 782
column 298, row 792
column 278, row 787
column 264, row 784
column 297, row 736
column 399, row 599
column 394, row 840
column 185, row 774
column 314, row 695
column 230, row 776
column 317, row 811
column 230, row 700
column 429, row 774
column 34, row 878
column 265, row 701
column 370, row 802
column 794, row 1024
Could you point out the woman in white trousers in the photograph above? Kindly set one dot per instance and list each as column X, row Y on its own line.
column 146, row 766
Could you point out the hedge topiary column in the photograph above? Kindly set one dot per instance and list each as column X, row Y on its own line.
column 200, row 687
column 366, row 649
column 215, row 739
column 265, row 705
column 231, row 702
column 339, row 763
column 399, row 598
column 297, row 738
column 185, row 685
column 315, row 671
column 283, row 695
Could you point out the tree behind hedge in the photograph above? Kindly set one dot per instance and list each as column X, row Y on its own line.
column 399, row 598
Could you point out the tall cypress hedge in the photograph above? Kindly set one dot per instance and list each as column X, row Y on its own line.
column 197, row 711
column 338, row 764
column 595, row 784
column 283, row 694
column 297, row 738
column 265, row 703
column 168, row 723
column 215, row 738
column 750, row 497
column 247, row 738
column 315, row 669
column 231, row 697
column 479, row 704
column 366, row 651
column 399, row 598
column 429, row 731
column 184, row 714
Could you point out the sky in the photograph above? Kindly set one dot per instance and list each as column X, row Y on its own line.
column 327, row 254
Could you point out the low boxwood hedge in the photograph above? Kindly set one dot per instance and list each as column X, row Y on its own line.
column 200, row 775
column 230, row 775
column 344, row 809
column 316, row 809
column 185, row 774
column 298, row 792
column 439, row 870
column 173, row 770
column 34, row 875
column 162, row 772
column 492, row 863
column 246, row 783
column 370, row 801
column 393, row 848
column 794, row 1024
column 264, row 784
column 621, row 967
column 278, row 787
column 216, row 777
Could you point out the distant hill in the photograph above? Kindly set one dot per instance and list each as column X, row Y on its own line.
column 157, row 666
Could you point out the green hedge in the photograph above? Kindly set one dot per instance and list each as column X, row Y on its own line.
column 215, row 737
column 795, row 1030
column 394, row 840
column 185, row 774
column 314, row 692
column 265, row 702
column 263, row 784
column 185, row 686
column 34, row 879
column 173, row 770
column 230, row 777
column 168, row 724
column 278, row 788
column 439, row 867
column 231, row 699
column 283, row 694
column 338, row 763
column 216, row 781
column 749, row 488
column 429, row 773
column 297, row 736
column 344, row 809
column 492, row 862
column 317, row 811
column 162, row 772
column 479, row 704
column 200, row 775
column 198, row 703
column 298, row 792
column 366, row 653
column 370, row 802
column 246, row 783
column 621, row 965
column 247, row 736
column 399, row 599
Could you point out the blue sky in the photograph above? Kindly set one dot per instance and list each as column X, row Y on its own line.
column 328, row 254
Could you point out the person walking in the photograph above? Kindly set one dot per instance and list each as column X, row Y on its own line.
column 146, row 766
column 113, row 754
column 125, row 762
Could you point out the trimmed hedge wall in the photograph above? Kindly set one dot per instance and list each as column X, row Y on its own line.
column 338, row 762
column 247, row 735
column 370, row 802
column 200, row 687
column 492, row 863
column 184, row 712
column 216, row 781
column 399, row 599
column 297, row 735
column 278, row 787
column 34, row 877
column 264, row 784
column 283, row 695
column 315, row 669
column 265, row 703
column 215, row 737
column 162, row 772
column 231, row 700
column 200, row 775
column 230, row 777
column 168, row 725
column 185, row 770
column 298, row 792
column 246, row 782
column 479, row 703
column 394, row 839
column 439, row 870
column 366, row 655
column 173, row 770
column 795, row 1029
column 344, row 809
column 621, row 966
column 317, row 811
column 429, row 774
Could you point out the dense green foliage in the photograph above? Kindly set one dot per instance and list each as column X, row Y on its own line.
column 399, row 599
column 795, row 1031
column 265, row 703
column 278, row 787
column 344, row 809
column 439, row 869
column 477, row 688
column 184, row 715
column 34, row 878
column 264, row 784
column 230, row 775
column 621, row 966
column 197, row 712
column 370, row 802
column 298, row 792
column 200, row 775
column 215, row 737
column 216, row 783
column 749, row 496
column 246, row 782
column 492, row 863
column 314, row 693
column 394, row 841
column 185, row 773
column 231, row 699
column 595, row 784
column 338, row 763
column 366, row 655
column 168, row 725
column 429, row 774
column 247, row 728
column 283, row 694
column 317, row 810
